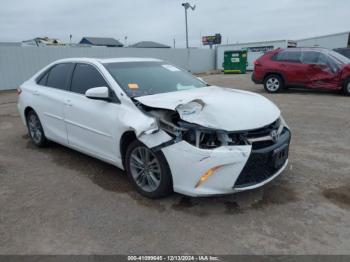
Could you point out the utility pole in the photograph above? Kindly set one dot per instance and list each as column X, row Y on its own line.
column 186, row 5
column 125, row 40
column 174, row 42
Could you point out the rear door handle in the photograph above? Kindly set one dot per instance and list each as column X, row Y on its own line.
column 36, row 92
column 68, row 103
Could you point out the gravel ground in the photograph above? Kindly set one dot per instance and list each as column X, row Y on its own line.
column 58, row 201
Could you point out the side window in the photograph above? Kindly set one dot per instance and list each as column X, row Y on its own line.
column 323, row 60
column 289, row 56
column 84, row 77
column 43, row 80
column 59, row 76
column 310, row 57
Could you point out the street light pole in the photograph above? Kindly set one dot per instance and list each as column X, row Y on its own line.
column 186, row 6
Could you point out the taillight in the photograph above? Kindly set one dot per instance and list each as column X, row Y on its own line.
column 19, row 90
column 256, row 63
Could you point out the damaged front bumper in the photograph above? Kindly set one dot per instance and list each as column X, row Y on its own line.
column 230, row 168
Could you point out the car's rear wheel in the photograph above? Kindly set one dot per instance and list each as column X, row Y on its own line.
column 346, row 87
column 273, row 84
column 35, row 129
column 148, row 170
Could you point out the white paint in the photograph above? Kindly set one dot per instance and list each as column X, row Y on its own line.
column 97, row 92
column 224, row 108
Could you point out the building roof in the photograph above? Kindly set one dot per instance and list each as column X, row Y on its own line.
column 101, row 41
column 148, row 44
column 322, row 36
column 43, row 41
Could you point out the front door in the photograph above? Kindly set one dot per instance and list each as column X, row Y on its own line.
column 322, row 71
column 90, row 122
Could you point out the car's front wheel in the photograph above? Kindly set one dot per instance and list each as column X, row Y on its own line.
column 273, row 84
column 35, row 129
column 148, row 170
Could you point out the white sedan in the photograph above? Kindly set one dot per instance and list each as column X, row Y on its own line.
column 169, row 130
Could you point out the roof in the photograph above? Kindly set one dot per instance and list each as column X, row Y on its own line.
column 148, row 44
column 322, row 36
column 108, row 60
column 101, row 41
column 43, row 41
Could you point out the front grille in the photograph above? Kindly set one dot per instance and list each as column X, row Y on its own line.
column 261, row 164
column 245, row 136
column 264, row 131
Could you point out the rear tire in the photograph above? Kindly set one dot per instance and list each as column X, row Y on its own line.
column 35, row 129
column 273, row 83
column 346, row 88
column 148, row 171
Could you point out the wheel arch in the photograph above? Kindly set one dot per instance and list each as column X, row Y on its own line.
column 125, row 140
column 275, row 73
column 27, row 110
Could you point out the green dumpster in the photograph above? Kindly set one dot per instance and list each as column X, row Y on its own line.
column 235, row 61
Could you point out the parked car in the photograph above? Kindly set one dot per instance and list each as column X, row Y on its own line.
column 168, row 129
column 303, row 67
column 343, row 51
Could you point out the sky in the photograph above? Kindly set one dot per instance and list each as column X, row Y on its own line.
column 164, row 20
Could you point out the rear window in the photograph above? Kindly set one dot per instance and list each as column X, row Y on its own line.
column 311, row 57
column 59, row 76
column 289, row 56
column 43, row 79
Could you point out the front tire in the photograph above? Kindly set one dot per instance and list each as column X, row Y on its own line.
column 273, row 84
column 346, row 88
column 35, row 129
column 148, row 171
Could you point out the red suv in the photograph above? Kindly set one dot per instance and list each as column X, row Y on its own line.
column 302, row 67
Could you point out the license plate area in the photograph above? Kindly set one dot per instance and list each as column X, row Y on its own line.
column 280, row 155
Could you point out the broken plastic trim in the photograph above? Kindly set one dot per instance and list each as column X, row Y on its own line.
column 202, row 137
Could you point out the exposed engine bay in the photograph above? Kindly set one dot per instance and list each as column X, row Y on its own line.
column 208, row 138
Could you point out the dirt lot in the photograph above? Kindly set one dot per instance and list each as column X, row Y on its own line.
column 58, row 201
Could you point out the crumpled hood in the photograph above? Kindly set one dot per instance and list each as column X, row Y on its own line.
column 217, row 107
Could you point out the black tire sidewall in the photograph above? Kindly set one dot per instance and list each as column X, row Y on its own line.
column 281, row 87
column 345, row 90
column 165, row 186
column 43, row 140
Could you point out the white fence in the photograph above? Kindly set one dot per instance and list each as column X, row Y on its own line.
column 17, row 64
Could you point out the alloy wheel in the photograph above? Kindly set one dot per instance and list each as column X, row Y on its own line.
column 272, row 84
column 145, row 168
column 35, row 128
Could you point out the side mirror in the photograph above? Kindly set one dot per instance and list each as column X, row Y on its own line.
column 101, row 93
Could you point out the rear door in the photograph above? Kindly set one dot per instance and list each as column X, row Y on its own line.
column 290, row 65
column 90, row 122
column 51, row 97
column 322, row 70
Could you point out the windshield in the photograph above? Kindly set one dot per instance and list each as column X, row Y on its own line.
column 339, row 57
column 147, row 78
